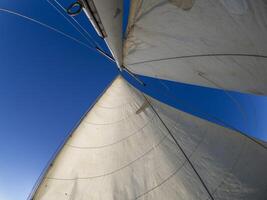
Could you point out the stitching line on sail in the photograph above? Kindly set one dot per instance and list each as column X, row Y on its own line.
column 198, row 55
column 181, row 149
column 133, row 98
column 175, row 172
column 121, row 105
column 125, row 138
column 115, row 107
column 191, row 154
column 164, row 181
column 110, row 123
column 109, row 173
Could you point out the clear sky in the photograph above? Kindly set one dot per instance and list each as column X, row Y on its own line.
column 48, row 81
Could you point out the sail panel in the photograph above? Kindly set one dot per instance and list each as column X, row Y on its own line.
column 123, row 150
column 219, row 44
column 230, row 164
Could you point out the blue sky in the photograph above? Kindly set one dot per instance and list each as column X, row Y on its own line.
column 47, row 82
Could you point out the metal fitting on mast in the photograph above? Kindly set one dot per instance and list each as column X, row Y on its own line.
column 89, row 8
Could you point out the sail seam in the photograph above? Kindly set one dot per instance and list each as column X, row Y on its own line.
column 119, row 106
column 176, row 171
column 198, row 55
column 107, row 145
column 164, row 181
column 110, row 123
column 117, row 170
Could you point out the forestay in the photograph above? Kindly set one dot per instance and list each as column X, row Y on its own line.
column 123, row 149
column 213, row 43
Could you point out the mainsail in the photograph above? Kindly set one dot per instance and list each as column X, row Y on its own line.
column 130, row 146
column 213, row 43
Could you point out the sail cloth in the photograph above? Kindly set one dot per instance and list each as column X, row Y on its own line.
column 123, row 150
column 213, row 43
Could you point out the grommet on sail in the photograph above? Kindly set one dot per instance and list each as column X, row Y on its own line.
column 132, row 146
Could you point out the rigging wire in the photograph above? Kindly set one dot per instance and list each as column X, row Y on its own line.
column 69, row 21
column 47, row 26
column 96, row 48
column 85, row 31
column 91, row 39
column 181, row 149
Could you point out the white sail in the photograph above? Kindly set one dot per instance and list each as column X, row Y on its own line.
column 123, row 150
column 214, row 43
